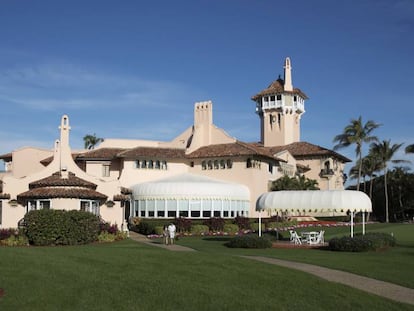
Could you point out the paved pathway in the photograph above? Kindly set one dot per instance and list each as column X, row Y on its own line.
column 143, row 239
column 380, row 288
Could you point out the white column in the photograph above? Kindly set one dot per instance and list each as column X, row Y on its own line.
column 165, row 209
column 260, row 223
column 352, row 224
column 363, row 222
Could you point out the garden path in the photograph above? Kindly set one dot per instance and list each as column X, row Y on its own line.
column 380, row 288
column 143, row 239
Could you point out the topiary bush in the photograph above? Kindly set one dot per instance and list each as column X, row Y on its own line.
column 249, row 241
column 199, row 229
column 362, row 243
column 60, row 227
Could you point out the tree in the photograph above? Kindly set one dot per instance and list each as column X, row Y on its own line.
column 294, row 183
column 385, row 153
column 409, row 149
column 356, row 133
column 90, row 141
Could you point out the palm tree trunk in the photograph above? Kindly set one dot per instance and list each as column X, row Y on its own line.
column 359, row 170
column 387, row 218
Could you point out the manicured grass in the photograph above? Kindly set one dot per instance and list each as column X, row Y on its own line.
column 395, row 265
column 131, row 276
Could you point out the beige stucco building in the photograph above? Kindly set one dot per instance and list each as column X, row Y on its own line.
column 203, row 172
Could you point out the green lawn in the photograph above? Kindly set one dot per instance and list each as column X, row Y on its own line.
column 131, row 276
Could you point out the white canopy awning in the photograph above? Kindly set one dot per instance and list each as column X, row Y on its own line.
column 190, row 186
column 314, row 201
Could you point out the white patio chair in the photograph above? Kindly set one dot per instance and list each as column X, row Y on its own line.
column 320, row 239
column 294, row 237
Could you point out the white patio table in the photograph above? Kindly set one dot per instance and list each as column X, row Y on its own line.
column 310, row 237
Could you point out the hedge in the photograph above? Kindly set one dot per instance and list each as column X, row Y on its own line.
column 249, row 241
column 60, row 227
column 362, row 243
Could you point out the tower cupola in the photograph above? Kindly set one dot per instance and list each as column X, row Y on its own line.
column 280, row 107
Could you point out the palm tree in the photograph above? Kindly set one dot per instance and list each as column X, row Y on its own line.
column 356, row 133
column 385, row 153
column 294, row 183
column 91, row 141
column 409, row 149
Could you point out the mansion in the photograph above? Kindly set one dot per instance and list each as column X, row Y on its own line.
column 203, row 172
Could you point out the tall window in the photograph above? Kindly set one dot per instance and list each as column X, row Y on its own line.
column 105, row 170
column 1, row 210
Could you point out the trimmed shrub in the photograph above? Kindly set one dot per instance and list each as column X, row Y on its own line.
column 106, row 237
column 215, row 224
column 255, row 226
column 15, row 240
column 183, row 224
column 249, row 241
column 60, row 227
column 199, row 229
column 274, row 235
column 159, row 230
column 7, row 233
column 107, row 227
column 242, row 222
column 231, row 228
column 145, row 227
column 362, row 243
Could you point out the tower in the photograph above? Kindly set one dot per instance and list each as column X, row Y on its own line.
column 280, row 107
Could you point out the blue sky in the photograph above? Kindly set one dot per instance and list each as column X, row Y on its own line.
column 134, row 69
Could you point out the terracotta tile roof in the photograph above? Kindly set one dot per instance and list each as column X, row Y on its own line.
column 154, row 152
column 100, row 154
column 57, row 187
column 125, row 195
column 125, row 190
column 121, row 197
column 232, row 150
column 57, row 181
column 61, row 192
column 304, row 149
column 4, row 196
column 277, row 87
column 6, row 157
column 48, row 160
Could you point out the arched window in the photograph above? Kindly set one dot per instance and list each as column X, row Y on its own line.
column 249, row 163
column 203, row 165
column 216, row 164
column 143, row 164
column 222, row 164
column 210, row 165
column 229, row 163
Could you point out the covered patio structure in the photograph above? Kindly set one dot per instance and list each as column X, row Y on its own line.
column 316, row 201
